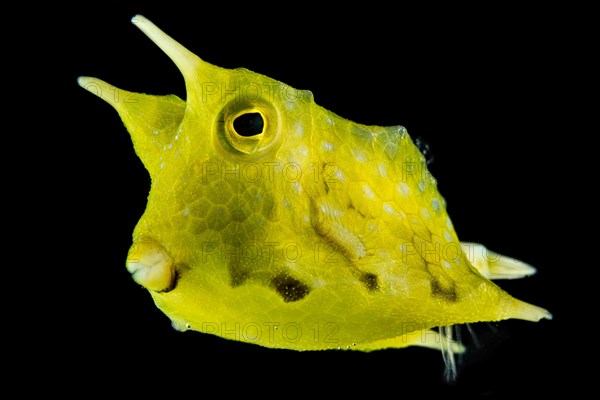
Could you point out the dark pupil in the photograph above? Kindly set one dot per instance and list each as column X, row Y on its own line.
column 249, row 124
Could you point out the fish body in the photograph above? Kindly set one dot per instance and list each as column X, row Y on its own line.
column 274, row 221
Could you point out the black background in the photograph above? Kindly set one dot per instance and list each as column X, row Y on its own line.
column 480, row 86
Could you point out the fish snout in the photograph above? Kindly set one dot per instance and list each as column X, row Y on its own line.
column 151, row 266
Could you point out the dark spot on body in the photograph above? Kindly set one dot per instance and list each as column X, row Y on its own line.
column 290, row 288
column 237, row 273
column 370, row 280
column 444, row 291
column 238, row 279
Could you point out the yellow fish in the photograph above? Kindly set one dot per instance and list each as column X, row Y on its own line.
column 273, row 221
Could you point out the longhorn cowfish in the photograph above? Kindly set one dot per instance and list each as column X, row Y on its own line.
column 273, row 221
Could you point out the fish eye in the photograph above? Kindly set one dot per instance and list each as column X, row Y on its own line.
column 249, row 124
column 248, row 128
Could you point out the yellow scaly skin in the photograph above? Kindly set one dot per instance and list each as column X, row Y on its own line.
column 315, row 233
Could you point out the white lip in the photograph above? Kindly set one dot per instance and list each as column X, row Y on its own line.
column 151, row 266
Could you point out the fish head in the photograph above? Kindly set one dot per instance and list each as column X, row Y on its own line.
column 219, row 161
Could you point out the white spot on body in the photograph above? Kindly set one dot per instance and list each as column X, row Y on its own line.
column 446, row 264
column 302, row 150
column 156, row 132
column 359, row 155
column 327, row 146
column 176, row 137
column 435, row 204
column 382, row 170
column 368, row 191
column 449, row 223
column 422, row 186
column 388, row 208
column 339, row 175
column 447, row 236
column 299, row 130
column 186, row 212
column 403, row 189
column 170, row 145
column 162, row 165
column 425, row 213
column 296, row 187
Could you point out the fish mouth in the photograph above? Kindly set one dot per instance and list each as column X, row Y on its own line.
column 151, row 266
